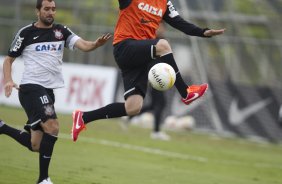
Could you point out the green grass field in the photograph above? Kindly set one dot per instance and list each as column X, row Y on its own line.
column 105, row 154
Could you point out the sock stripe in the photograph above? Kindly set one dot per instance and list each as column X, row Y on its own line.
column 34, row 123
column 152, row 52
column 128, row 91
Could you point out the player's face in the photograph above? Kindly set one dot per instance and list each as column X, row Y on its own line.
column 47, row 13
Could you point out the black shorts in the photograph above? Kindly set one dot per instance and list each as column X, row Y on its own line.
column 38, row 103
column 134, row 58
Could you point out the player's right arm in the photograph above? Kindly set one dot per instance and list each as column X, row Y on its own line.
column 15, row 50
column 8, row 80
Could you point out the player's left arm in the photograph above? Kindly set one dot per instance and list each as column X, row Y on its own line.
column 173, row 18
column 87, row 46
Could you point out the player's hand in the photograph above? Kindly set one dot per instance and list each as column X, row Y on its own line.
column 9, row 87
column 102, row 39
column 213, row 32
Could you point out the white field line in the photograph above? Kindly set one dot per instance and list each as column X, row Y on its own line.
column 167, row 153
column 137, row 148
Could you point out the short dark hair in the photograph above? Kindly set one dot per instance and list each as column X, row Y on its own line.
column 39, row 3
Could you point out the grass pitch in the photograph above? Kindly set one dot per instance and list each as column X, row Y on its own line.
column 105, row 154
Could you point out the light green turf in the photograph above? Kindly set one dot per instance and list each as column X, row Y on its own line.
column 105, row 154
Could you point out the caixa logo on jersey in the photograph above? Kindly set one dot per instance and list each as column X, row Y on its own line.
column 49, row 47
column 18, row 44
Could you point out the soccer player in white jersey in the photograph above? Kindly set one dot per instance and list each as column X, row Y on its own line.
column 41, row 46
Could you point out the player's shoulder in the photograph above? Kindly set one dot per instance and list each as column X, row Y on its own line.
column 59, row 26
column 56, row 25
column 60, row 29
column 25, row 29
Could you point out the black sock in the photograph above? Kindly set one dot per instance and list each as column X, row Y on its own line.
column 45, row 154
column 20, row 136
column 113, row 110
column 157, row 115
column 179, row 83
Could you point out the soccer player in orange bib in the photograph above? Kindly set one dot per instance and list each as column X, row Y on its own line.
column 135, row 47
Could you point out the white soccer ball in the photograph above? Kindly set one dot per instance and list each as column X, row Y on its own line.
column 161, row 76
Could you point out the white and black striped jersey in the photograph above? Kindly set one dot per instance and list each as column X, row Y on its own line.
column 42, row 52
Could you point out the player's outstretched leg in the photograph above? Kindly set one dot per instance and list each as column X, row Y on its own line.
column 77, row 125
column 194, row 92
column 20, row 136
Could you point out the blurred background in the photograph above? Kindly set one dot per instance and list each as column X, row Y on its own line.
column 243, row 67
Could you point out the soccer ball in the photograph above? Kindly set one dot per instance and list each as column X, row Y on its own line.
column 161, row 76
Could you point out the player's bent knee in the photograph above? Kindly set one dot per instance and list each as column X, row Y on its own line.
column 163, row 47
column 51, row 127
column 133, row 105
column 133, row 111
